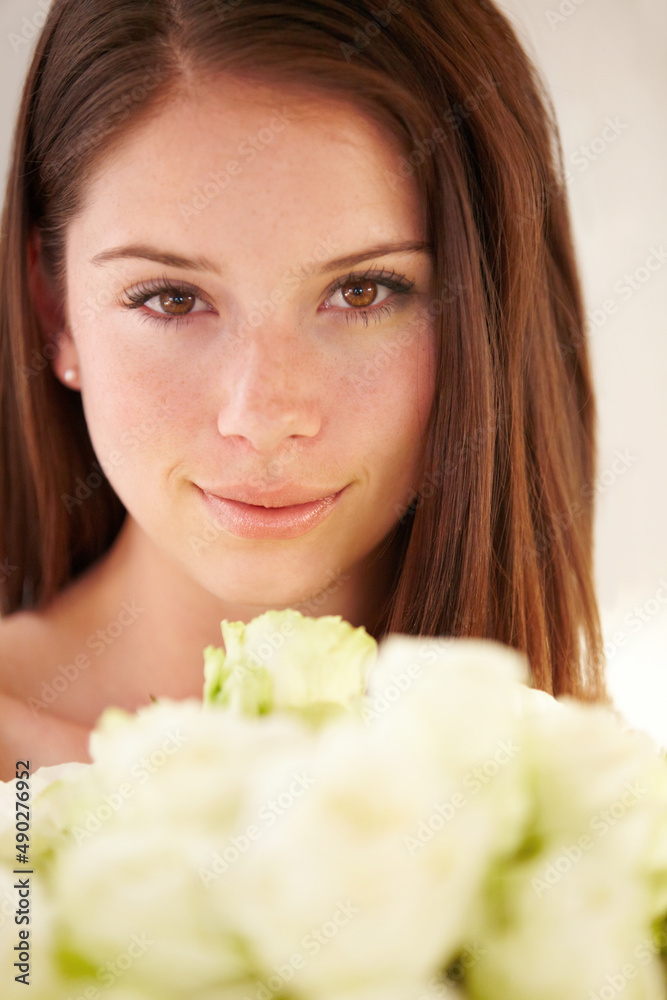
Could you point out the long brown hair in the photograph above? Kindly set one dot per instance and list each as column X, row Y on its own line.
column 498, row 540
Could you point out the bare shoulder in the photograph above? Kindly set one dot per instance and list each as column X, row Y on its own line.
column 28, row 729
column 39, row 739
column 25, row 645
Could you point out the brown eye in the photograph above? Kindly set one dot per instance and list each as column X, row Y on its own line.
column 167, row 302
column 359, row 293
column 177, row 303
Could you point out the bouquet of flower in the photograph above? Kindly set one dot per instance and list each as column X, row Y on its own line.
column 338, row 820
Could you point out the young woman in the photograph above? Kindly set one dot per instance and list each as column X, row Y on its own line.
column 290, row 318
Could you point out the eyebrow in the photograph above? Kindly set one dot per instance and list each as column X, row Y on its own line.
column 142, row 251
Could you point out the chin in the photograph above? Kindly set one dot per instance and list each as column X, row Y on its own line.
column 264, row 591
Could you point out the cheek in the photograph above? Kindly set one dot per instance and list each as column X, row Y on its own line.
column 131, row 406
column 394, row 384
column 390, row 395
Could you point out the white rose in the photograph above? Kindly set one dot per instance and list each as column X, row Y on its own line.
column 285, row 660
column 574, row 908
column 171, row 789
column 363, row 903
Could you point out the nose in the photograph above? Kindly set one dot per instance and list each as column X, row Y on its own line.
column 270, row 392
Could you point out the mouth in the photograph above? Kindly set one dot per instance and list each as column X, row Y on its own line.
column 269, row 519
column 283, row 499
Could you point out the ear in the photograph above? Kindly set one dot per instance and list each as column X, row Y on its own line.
column 51, row 314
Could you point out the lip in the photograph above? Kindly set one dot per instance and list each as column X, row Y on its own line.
column 246, row 520
column 288, row 496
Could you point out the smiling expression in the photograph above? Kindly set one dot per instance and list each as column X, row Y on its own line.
column 279, row 338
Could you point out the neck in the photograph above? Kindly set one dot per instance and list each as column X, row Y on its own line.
column 155, row 620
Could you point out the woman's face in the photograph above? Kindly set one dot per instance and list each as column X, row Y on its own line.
column 238, row 366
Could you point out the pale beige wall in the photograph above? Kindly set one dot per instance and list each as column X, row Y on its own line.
column 605, row 64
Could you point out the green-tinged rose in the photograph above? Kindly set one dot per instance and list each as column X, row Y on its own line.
column 285, row 660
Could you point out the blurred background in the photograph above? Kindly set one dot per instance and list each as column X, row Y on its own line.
column 604, row 63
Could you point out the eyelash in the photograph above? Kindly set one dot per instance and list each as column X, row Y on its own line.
column 397, row 283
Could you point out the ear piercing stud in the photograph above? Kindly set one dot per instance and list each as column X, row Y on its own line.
column 69, row 374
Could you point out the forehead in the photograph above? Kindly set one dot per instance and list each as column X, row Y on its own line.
column 264, row 167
